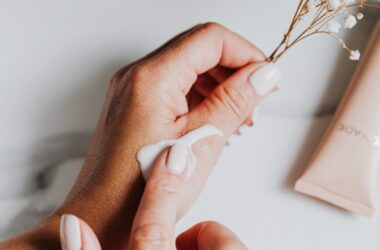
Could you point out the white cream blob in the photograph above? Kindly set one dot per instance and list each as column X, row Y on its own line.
column 148, row 154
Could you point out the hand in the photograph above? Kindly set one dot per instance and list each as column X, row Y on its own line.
column 201, row 76
column 207, row 74
column 154, row 224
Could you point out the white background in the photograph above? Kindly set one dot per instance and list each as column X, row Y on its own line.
column 56, row 58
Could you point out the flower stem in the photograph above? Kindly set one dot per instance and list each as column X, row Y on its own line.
column 323, row 14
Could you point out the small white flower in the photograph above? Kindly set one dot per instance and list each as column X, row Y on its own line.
column 334, row 4
column 359, row 16
column 350, row 22
column 354, row 55
column 333, row 26
column 345, row 3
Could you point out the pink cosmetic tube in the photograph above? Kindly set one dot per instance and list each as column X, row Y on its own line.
column 344, row 170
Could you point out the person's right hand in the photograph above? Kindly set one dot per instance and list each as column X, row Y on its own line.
column 154, row 224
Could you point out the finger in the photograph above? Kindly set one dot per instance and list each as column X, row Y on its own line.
column 249, row 121
column 220, row 73
column 234, row 99
column 76, row 234
column 225, row 108
column 209, row 235
column 158, row 50
column 205, row 84
column 153, row 227
column 194, row 100
column 198, row 51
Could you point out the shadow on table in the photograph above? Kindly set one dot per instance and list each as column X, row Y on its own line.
column 78, row 110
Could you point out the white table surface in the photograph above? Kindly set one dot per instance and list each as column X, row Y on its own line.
column 56, row 58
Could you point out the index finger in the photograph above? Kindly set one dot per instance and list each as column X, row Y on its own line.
column 154, row 223
column 201, row 49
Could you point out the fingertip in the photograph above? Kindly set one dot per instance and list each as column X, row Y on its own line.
column 189, row 239
column 89, row 239
column 76, row 234
column 264, row 80
column 177, row 158
column 249, row 121
column 172, row 164
column 70, row 233
column 169, row 172
column 223, row 237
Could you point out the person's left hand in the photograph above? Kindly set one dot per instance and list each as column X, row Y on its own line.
column 206, row 75
column 154, row 224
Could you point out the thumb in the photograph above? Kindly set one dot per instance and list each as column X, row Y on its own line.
column 75, row 234
column 235, row 98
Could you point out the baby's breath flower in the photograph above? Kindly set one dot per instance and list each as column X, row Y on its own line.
column 334, row 4
column 350, row 22
column 354, row 55
column 347, row 2
column 333, row 26
column 326, row 21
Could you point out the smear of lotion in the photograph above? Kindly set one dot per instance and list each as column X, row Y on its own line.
column 148, row 154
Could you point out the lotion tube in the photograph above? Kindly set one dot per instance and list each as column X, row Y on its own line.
column 344, row 170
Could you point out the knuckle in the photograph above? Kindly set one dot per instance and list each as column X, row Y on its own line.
column 137, row 72
column 167, row 186
column 152, row 234
column 119, row 76
column 209, row 226
column 232, row 100
column 230, row 244
column 138, row 79
column 222, row 243
column 212, row 26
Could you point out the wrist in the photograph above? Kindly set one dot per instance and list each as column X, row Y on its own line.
column 106, row 196
column 43, row 236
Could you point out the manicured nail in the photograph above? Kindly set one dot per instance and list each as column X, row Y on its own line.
column 70, row 233
column 177, row 158
column 265, row 78
column 89, row 239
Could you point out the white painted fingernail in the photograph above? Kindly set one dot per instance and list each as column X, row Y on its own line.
column 265, row 78
column 177, row 158
column 70, row 233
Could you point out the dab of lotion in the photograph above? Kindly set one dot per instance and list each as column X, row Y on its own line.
column 148, row 154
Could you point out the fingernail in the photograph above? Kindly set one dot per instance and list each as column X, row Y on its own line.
column 70, row 233
column 89, row 239
column 265, row 78
column 177, row 158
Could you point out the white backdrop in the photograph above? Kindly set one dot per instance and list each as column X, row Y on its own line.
column 56, row 58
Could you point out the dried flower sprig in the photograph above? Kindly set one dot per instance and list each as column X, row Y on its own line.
column 323, row 20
